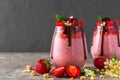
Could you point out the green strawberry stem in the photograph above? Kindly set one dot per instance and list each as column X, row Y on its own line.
column 115, row 58
column 60, row 18
column 99, row 17
column 47, row 62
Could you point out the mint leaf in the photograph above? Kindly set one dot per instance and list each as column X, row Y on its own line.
column 59, row 18
column 99, row 17
column 63, row 19
column 115, row 58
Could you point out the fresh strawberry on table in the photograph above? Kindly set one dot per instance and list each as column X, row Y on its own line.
column 43, row 66
column 58, row 72
column 73, row 71
column 99, row 62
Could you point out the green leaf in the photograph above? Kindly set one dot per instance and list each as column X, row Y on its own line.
column 63, row 19
column 95, row 72
column 115, row 58
column 47, row 62
column 83, row 73
column 99, row 17
column 59, row 18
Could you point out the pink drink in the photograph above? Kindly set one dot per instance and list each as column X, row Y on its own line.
column 68, row 46
column 106, row 40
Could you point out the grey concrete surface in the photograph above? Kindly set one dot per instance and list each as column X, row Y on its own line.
column 12, row 65
column 27, row 25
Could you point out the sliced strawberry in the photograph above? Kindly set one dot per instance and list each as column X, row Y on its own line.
column 99, row 62
column 74, row 23
column 116, row 22
column 73, row 71
column 58, row 72
column 81, row 23
column 43, row 66
column 98, row 23
column 59, row 23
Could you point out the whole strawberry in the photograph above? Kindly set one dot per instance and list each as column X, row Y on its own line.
column 99, row 62
column 43, row 66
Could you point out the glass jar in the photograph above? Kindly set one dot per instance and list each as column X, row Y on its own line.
column 68, row 46
column 106, row 41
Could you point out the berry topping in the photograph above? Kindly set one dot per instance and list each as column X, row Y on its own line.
column 81, row 23
column 116, row 23
column 109, row 23
column 73, row 71
column 98, row 23
column 99, row 62
column 70, row 21
column 43, row 66
column 58, row 72
column 74, row 22
column 59, row 23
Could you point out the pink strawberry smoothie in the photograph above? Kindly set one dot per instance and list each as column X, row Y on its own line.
column 63, row 54
column 110, row 43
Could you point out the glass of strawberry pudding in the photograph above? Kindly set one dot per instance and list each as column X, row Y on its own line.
column 69, row 43
column 106, row 39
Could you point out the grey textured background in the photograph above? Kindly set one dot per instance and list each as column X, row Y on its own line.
column 27, row 25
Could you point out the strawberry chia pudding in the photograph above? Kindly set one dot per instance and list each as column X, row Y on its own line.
column 69, row 43
column 106, row 39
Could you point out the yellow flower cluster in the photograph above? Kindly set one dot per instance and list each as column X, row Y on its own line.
column 112, row 68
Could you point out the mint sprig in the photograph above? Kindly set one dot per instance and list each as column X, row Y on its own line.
column 99, row 17
column 60, row 18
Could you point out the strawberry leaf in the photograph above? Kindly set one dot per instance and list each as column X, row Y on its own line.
column 47, row 62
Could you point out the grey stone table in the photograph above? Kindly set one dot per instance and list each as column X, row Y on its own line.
column 11, row 65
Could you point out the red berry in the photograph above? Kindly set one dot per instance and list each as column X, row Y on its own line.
column 59, row 23
column 74, row 23
column 81, row 23
column 58, row 72
column 110, row 23
column 98, row 23
column 116, row 23
column 73, row 71
column 99, row 62
column 69, row 19
column 43, row 66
